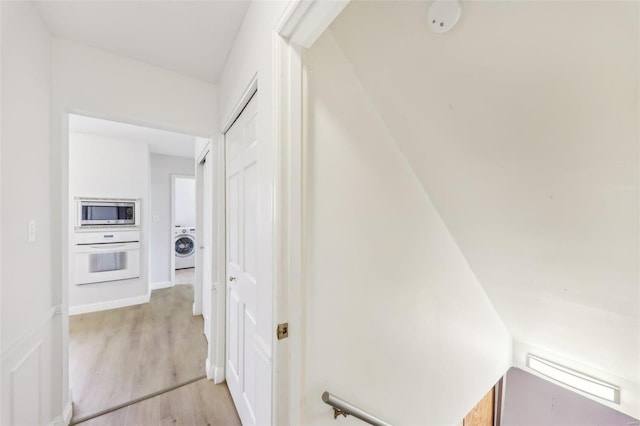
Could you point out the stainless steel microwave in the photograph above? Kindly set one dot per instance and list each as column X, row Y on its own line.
column 93, row 212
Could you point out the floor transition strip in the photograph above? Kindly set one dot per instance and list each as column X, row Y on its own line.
column 134, row 401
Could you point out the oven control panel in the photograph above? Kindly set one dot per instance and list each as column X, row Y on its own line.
column 106, row 237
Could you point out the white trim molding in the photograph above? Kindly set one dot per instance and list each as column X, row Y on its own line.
column 46, row 318
column 27, row 373
column 65, row 418
column 214, row 373
column 218, row 299
column 218, row 375
column 67, row 414
column 110, row 304
column 305, row 20
column 248, row 93
column 160, row 284
column 288, row 378
column 209, row 369
column 301, row 24
column 204, row 152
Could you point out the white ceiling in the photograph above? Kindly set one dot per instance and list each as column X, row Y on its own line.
column 189, row 37
column 159, row 141
column 521, row 124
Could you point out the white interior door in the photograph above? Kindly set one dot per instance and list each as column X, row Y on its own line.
column 242, row 198
column 206, row 244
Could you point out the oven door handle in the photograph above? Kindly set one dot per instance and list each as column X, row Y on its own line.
column 107, row 246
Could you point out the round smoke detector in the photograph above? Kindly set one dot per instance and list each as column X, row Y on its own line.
column 443, row 15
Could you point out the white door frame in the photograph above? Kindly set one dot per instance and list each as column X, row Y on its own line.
column 200, row 195
column 175, row 176
column 216, row 348
column 215, row 362
column 300, row 26
column 61, row 126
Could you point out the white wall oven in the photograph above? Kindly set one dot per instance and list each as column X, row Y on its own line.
column 106, row 256
column 102, row 212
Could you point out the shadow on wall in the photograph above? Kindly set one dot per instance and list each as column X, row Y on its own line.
column 530, row 400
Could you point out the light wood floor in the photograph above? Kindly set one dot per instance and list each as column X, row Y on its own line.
column 120, row 354
column 185, row 276
column 199, row 404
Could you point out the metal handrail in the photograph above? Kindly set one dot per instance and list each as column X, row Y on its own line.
column 340, row 406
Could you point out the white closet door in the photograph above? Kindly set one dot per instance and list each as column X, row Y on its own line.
column 242, row 199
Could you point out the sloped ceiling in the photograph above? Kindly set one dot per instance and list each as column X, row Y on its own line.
column 522, row 125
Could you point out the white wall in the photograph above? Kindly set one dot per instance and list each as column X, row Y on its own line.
column 252, row 55
column 25, row 188
column 97, row 83
column 102, row 83
column 185, row 202
column 161, row 241
column 522, row 124
column 104, row 167
column 28, row 313
column 396, row 321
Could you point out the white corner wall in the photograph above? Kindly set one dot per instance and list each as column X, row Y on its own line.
column 396, row 321
column 161, row 241
column 28, row 312
column 105, row 167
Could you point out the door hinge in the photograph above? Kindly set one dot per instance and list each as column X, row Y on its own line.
column 283, row 330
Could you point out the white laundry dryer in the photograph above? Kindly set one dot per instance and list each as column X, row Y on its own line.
column 185, row 247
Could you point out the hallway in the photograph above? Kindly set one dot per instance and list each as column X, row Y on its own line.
column 123, row 354
column 429, row 196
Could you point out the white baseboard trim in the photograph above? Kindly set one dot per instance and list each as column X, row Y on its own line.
column 67, row 413
column 111, row 304
column 206, row 329
column 218, row 375
column 214, row 373
column 58, row 421
column 65, row 418
column 195, row 311
column 210, row 369
column 160, row 284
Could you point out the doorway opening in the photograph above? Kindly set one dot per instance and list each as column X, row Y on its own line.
column 183, row 225
column 135, row 329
